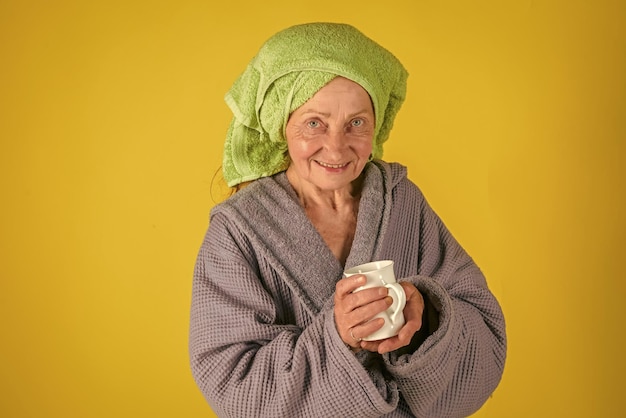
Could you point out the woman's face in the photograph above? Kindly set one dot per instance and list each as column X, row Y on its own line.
column 330, row 136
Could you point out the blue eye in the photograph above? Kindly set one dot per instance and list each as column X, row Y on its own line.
column 357, row 123
column 313, row 124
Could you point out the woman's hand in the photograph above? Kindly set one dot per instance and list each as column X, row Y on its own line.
column 413, row 322
column 354, row 311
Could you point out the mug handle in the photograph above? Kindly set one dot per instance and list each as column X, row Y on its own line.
column 399, row 300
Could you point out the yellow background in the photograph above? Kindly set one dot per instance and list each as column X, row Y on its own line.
column 112, row 121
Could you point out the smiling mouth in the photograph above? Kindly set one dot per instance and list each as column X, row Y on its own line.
column 323, row 164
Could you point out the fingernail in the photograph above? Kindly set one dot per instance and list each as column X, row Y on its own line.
column 389, row 300
column 383, row 291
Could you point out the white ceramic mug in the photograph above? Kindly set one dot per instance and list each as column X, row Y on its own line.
column 380, row 273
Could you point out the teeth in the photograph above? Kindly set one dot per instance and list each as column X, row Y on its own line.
column 331, row 165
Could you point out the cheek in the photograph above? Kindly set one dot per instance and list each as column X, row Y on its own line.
column 298, row 148
column 299, row 152
column 364, row 147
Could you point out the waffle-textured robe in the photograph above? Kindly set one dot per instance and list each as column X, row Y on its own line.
column 263, row 341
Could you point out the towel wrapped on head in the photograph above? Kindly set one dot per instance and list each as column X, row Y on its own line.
column 286, row 72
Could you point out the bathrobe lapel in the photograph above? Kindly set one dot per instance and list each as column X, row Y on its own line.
column 279, row 228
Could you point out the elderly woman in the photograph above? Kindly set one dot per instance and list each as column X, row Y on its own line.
column 276, row 329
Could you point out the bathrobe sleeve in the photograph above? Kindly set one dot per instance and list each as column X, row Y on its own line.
column 255, row 350
column 456, row 368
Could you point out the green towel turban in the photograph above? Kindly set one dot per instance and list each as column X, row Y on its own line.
column 286, row 72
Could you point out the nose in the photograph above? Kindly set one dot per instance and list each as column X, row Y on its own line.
column 336, row 140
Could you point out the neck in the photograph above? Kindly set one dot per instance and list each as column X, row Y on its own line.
column 311, row 196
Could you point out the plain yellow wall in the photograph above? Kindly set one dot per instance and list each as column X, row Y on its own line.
column 112, row 121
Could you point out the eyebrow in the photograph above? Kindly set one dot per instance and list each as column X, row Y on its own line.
column 315, row 112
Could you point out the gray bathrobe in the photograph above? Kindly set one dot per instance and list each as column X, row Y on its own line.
column 263, row 341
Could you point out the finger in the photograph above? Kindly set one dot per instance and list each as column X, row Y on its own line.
column 403, row 338
column 362, row 298
column 358, row 332
column 412, row 294
column 370, row 345
column 365, row 313
column 360, row 322
column 347, row 285
column 383, row 346
column 367, row 328
column 365, row 297
column 356, row 339
column 389, row 345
